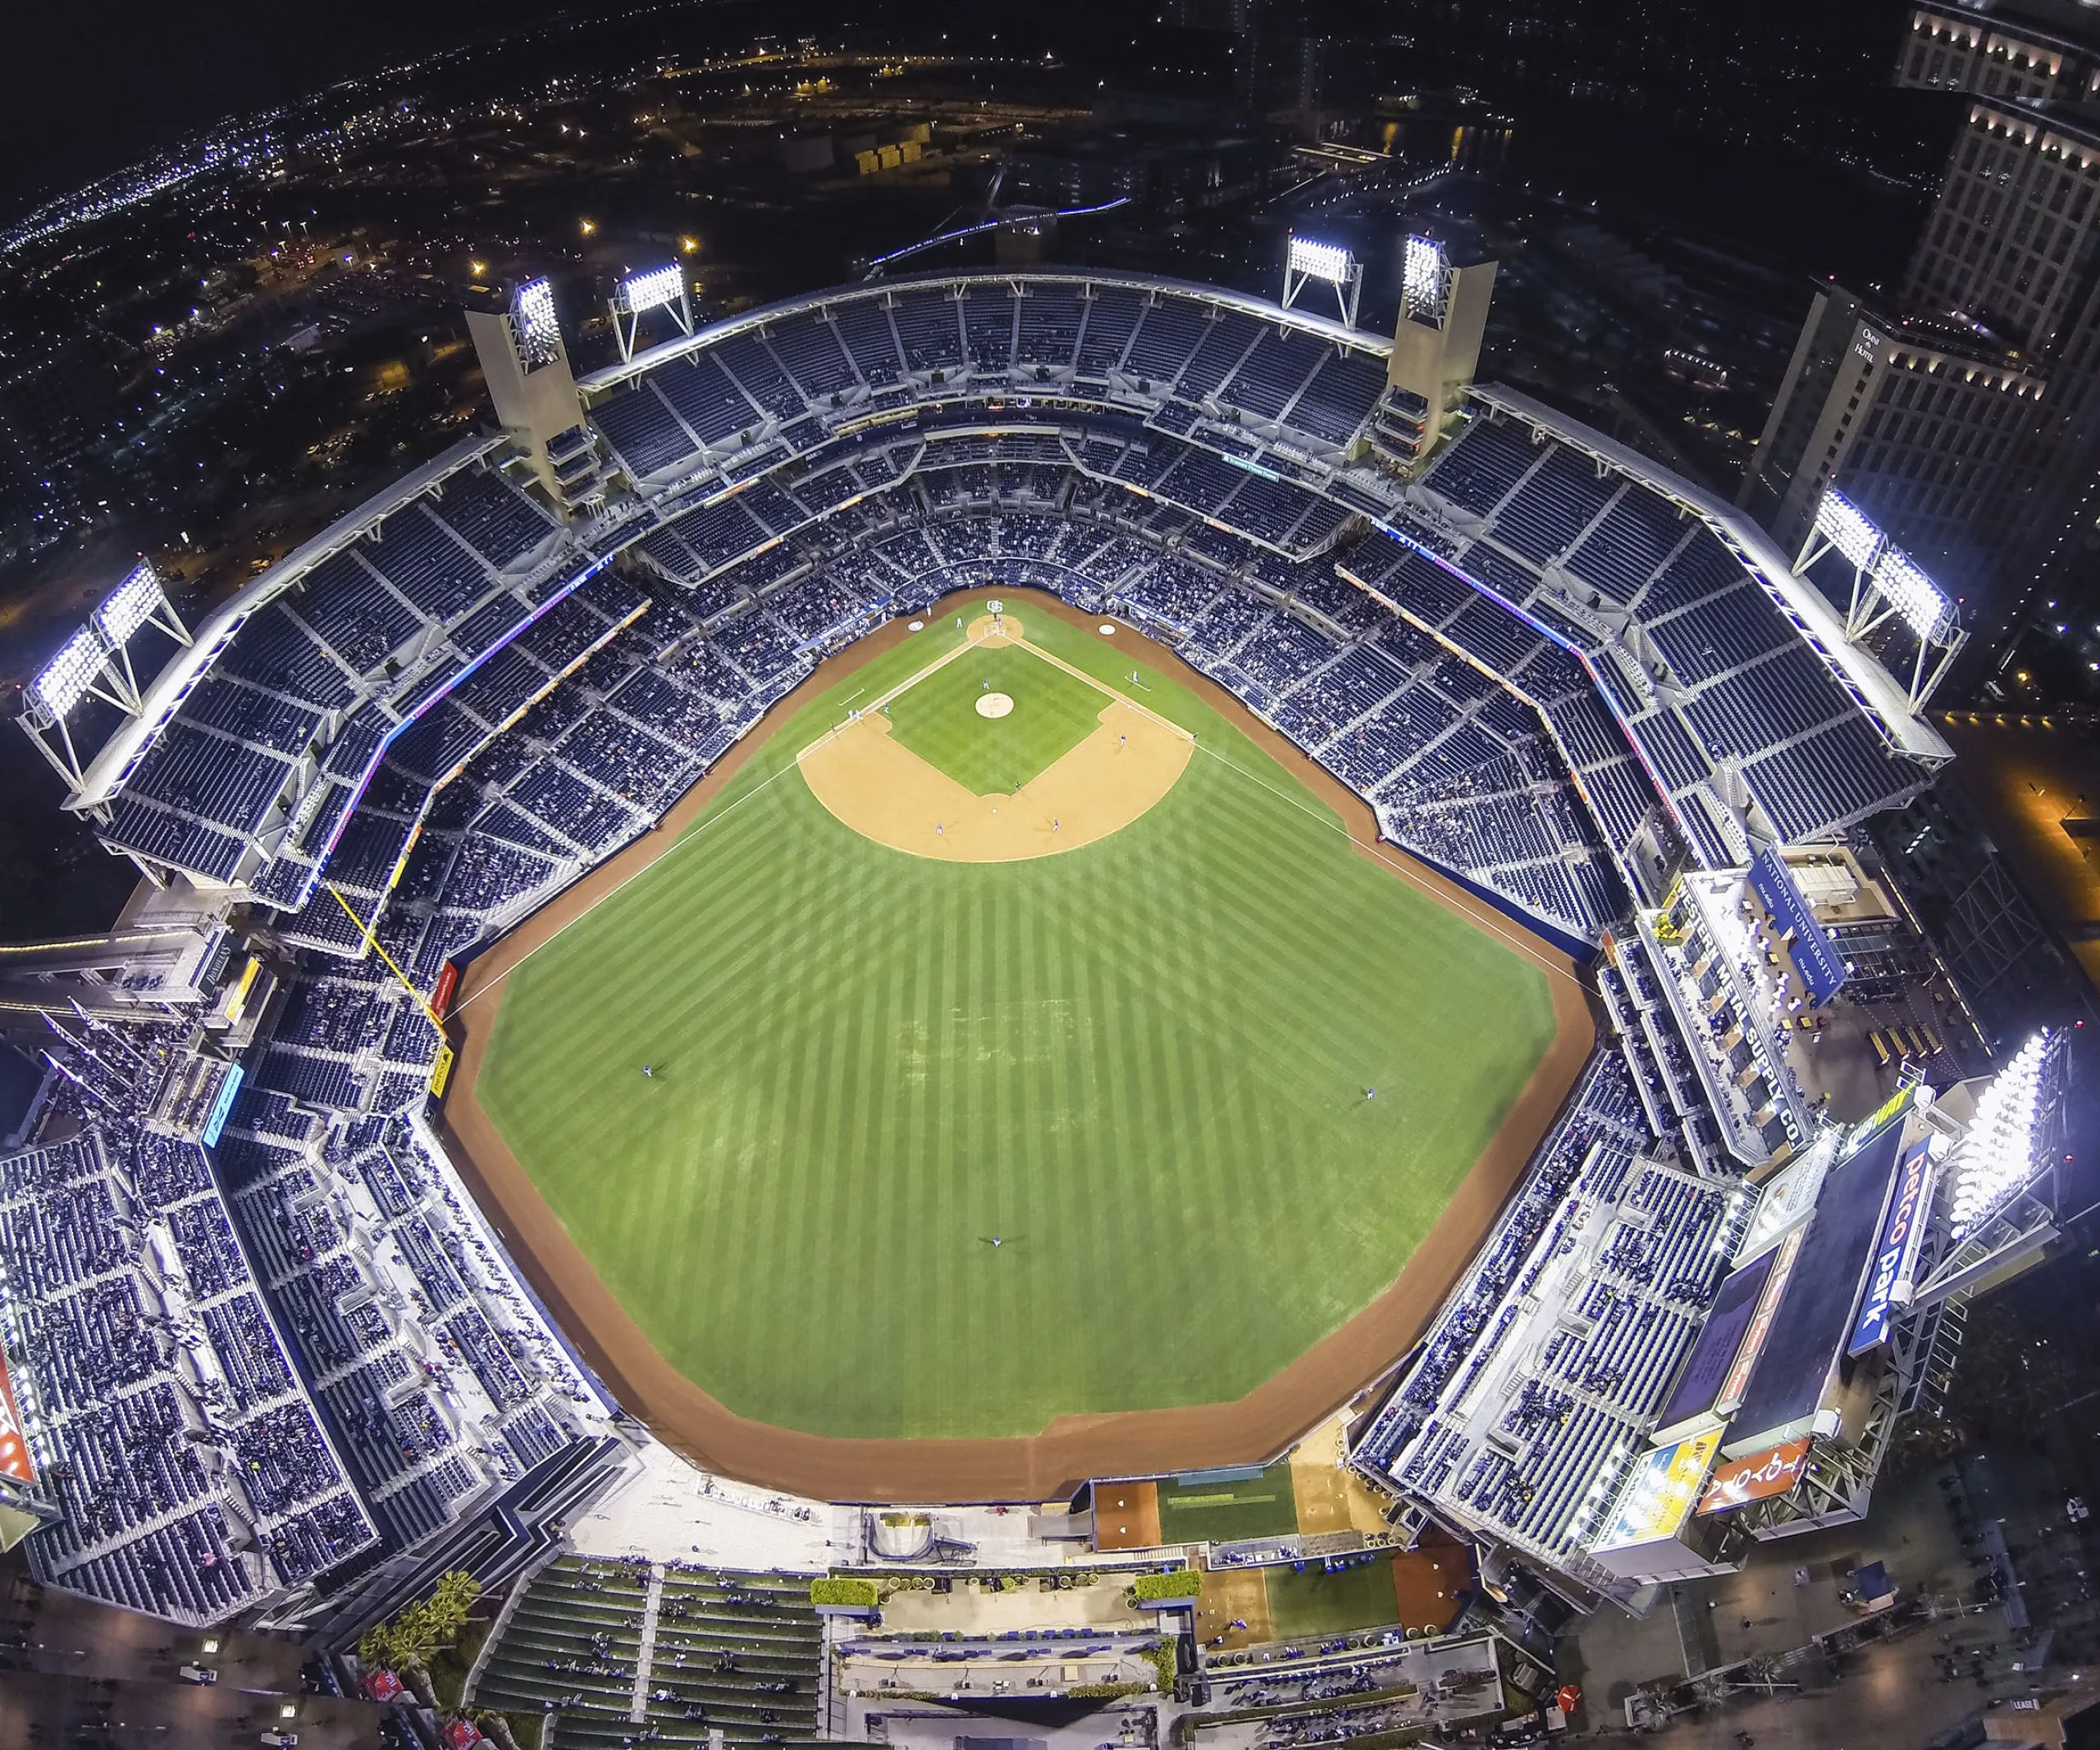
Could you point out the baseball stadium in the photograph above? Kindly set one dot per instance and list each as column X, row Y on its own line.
column 1044, row 923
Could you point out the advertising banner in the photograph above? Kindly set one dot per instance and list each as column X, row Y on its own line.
column 1664, row 1483
column 15, row 1463
column 1738, row 1382
column 1815, row 957
column 1756, row 1477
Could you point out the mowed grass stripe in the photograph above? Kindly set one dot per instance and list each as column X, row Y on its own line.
column 1146, row 1057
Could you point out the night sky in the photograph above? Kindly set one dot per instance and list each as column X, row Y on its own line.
column 106, row 82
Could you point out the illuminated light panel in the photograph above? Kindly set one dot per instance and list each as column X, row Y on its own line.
column 1845, row 526
column 1996, row 1155
column 1911, row 593
column 70, row 673
column 1421, row 274
column 539, row 331
column 1319, row 261
column 653, row 288
column 130, row 605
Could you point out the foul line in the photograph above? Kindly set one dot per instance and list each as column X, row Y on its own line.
column 1376, row 849
column 664, row 856
column 1491, row 924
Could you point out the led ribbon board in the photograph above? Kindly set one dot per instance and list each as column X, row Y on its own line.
column 15, row 1463
column 222, row 1103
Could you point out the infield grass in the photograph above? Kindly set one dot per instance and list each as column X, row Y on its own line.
column 1052, row 713
column 1144, row 1062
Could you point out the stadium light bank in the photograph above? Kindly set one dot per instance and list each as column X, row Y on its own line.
column 1887, row 585
column 1307, row 261
column 652, row 289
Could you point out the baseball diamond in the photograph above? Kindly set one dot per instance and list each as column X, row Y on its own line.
column 1145, row 1063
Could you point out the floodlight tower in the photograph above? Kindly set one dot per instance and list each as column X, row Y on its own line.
column 1887, row 584
column 139, row 600
column 527, row 369
column 95, row 664
column 82, row 670
column 1427, row 277
column 1332, row 265
column 1435, row 346
column 1993, row 1195
column 652, row 289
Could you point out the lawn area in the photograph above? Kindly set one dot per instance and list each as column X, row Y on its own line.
column 1263, row 1506
column 1142, row 1060
column 1053, row 712
column 1315, row 1602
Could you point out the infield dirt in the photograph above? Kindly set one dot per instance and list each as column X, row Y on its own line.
column 884, row 792
column 1252, row 1429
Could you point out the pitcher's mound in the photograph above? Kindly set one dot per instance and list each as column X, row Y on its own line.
column 885, row 791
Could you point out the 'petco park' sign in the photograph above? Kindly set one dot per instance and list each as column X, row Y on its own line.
column 1897, row 1253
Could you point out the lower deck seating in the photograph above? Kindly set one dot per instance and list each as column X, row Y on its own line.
column 737, row 1653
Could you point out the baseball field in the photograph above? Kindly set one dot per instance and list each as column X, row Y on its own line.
column 1007, row 936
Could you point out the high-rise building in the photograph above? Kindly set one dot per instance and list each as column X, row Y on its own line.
column 2037, row 49
column 1926, row 426
column 1967, row 416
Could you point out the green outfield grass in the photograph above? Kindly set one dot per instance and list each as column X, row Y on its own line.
column 1144, row 1061
column 1053, row 712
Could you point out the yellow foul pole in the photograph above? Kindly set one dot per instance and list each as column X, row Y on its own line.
column 440, row 1072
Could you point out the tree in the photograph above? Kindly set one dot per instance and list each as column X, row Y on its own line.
column 449, row 1604
column 406, row 1645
